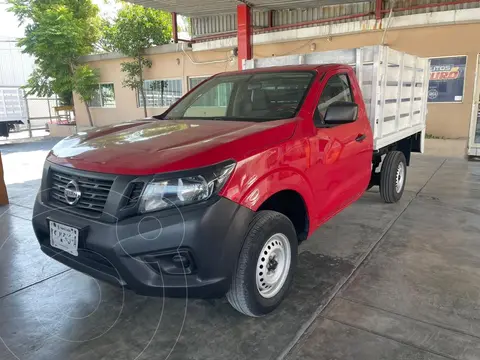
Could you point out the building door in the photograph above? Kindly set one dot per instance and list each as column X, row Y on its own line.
column 474, row 138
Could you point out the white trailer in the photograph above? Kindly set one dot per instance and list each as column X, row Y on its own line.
column 13, row 109
column 15, row 68
column 394, row 87
column 12, row 105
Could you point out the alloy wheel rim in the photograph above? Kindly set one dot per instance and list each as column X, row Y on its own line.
column 273, row 265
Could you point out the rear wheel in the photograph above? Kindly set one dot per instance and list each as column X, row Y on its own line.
column 393, row 176
column 265, row 266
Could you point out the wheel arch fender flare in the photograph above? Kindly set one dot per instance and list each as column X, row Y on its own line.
column 274, row 182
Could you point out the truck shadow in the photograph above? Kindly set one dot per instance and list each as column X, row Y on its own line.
column 80, row 313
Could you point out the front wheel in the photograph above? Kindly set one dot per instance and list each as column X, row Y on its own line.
column 393, row 176
column 265, row 266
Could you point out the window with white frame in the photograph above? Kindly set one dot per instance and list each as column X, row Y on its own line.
column 194, row 81
column 161, row 93
column 218, row 96
column 104, row 96
column 213, row 102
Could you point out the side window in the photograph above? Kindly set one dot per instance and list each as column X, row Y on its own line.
column 336, row 89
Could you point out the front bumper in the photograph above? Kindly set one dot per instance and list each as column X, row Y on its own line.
column 137, row 252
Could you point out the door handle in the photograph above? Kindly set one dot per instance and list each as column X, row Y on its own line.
column 360, row 137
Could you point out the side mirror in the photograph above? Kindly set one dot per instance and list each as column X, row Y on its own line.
column 341, row 112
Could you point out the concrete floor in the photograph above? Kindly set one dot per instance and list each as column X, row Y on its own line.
column 23, row 136
column 378, row 281
column 446, row 147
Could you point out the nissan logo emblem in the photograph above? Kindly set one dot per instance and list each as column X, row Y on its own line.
column 72, row 193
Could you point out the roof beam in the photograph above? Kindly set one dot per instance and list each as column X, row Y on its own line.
column 199, row 8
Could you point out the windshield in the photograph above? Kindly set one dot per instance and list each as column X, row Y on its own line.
column 245, row 97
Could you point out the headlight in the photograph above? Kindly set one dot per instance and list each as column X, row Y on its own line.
column 164, row 194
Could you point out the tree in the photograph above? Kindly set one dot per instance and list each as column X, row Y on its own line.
column 104, row 44
column 185, row 25
column 85, row 80
column 134, row 30
column 58, row 32
column 39, row 85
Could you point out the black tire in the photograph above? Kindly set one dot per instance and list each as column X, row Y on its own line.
column 388, row 176
column 244, row 295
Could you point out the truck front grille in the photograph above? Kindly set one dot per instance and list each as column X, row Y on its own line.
column 94, row 192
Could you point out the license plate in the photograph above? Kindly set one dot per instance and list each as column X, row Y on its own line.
column 64, row 237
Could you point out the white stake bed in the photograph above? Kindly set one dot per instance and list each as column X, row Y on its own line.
column 394, row 86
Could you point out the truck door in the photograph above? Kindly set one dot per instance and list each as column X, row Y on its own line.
column 342, row 163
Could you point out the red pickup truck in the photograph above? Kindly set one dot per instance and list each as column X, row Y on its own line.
column 214, row 196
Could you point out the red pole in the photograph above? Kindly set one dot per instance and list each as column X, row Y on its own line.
column 378, row 9
column 244, row 34
column 174, row 27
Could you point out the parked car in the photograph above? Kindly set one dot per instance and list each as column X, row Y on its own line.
column 214, row 197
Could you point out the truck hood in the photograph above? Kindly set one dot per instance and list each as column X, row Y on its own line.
column 153, row 146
